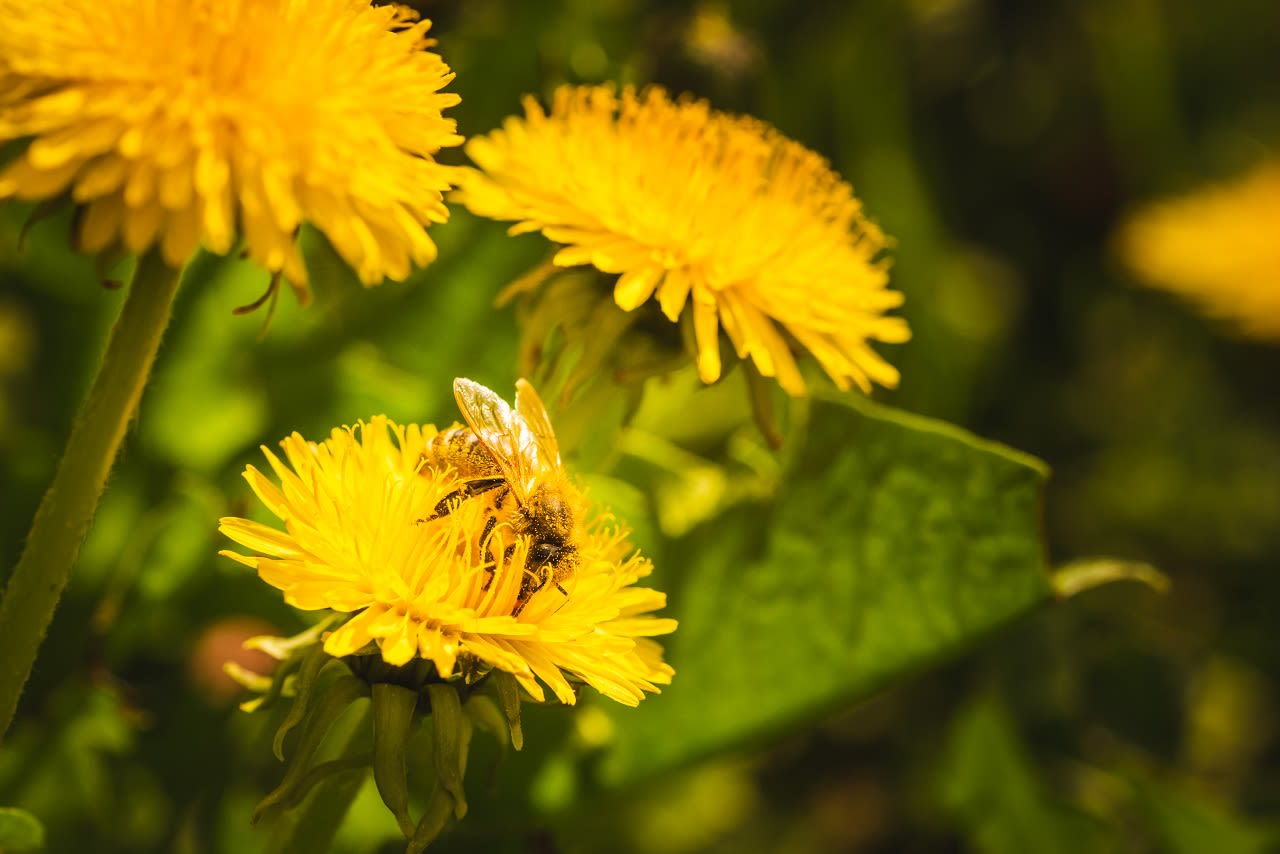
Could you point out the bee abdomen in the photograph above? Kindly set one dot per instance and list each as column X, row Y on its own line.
column 462, row 449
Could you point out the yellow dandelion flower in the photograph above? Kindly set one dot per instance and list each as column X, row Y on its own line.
column 1219, row 247
column 362, row 536
column 715, row 214
column 179, row 124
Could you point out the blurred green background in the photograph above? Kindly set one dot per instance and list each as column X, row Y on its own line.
column 1000, row 144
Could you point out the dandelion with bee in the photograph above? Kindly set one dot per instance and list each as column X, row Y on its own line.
column 588, row 451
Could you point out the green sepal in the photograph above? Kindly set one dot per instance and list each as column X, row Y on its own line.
column 46, row 209
column 393, row 708
column 760, row 393
column 509, row 696
column 433, row 821
column 605, row 328
column 319, row 774
column 290, row 652
column 313, row 661
column 452, row 731
column 342, row 693
column 485, row 714
column 547, row 316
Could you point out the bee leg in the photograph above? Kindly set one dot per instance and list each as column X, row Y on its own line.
column 446, row 505
column 488, row 553
column 560, row 587
column 529, row 585
column 502, row 495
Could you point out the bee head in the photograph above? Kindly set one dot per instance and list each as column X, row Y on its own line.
column 544, row 552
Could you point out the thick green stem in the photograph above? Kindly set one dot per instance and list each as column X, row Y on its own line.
column 67, row 508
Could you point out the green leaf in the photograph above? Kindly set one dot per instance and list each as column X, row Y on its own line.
column 1185, row 825
column 893, row 541
column 20, row 830
column 989, row 786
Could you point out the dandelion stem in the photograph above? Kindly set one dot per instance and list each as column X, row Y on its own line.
column 67, row 509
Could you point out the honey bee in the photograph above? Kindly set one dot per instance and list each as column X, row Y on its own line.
column 512, row 451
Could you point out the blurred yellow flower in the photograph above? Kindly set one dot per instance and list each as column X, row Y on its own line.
column 360, row 538
column 182, row 123
column 1219, row 247
column 701, row 210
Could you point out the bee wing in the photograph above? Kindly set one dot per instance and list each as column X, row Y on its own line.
column 530, row 409
column 501, row 430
